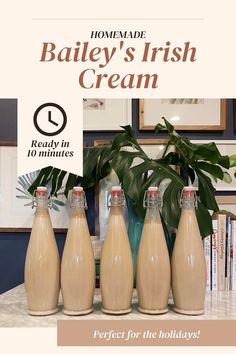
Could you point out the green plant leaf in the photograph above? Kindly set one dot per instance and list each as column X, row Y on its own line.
column 232, row 160
column 128, row 129
column 61, row 176
column 207, row 152
column 206, row 191
column 224, row 161
column 204, row 220
column 168, row 125
column 135, row 184
column 214, row 170
column 41, row 179
column 122, row 161
column 71, row 182
column 58, row 202
column 159, row 127
column 171, row 208
column 227, row 178
column 55, row 174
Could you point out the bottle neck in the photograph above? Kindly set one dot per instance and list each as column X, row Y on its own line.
column 188, row 202
column 152, row 202
column 78, row 210
column 78, row 201
column 117, row 200
column 153, row 212
column 41, row 203
column 116, row 209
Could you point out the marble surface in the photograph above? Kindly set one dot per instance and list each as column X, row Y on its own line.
column 13, row 313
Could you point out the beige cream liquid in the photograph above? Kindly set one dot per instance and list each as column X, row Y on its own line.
column 188, row 265
column 42, row 266
column 78, row 266
column 116, row 270
column 153, row 266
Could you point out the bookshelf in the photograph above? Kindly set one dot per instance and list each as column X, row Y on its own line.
column 220, row 254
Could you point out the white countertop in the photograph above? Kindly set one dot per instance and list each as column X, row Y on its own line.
column 218, row 306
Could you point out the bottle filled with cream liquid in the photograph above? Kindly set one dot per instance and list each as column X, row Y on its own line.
column 153, row 264
column 42, row 264
column 78, row 264
column 116, row 271
column 188, row 261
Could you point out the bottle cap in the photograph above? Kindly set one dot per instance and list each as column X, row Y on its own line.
column 77, row 190
column 116, row 197
column 188, row 190
column 41, row 190
column 152, row 191
column 116, row 190
column 77, row 197
column 152, row 197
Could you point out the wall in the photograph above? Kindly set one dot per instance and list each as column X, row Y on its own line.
column 8, row 120
column 13, row 248
column 13, row 245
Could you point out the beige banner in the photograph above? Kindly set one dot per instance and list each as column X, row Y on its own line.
column 146, row 333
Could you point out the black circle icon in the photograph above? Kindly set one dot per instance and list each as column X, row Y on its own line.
column 41, row 114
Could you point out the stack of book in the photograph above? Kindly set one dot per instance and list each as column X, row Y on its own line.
column 220, row 253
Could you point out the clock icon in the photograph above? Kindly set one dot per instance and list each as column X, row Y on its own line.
column 50, row 119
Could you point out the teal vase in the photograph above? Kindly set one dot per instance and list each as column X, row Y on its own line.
column 135, row 227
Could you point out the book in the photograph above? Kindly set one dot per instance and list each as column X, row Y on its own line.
column 221, row 235
column 227, row 253
column 233, row 255
column 207, row 251
column 214, row 249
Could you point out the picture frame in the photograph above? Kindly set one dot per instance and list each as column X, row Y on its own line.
column 190, row 116
column 226, row 147
column 107, row 114
column 8, row 143
column 14, row 216
column 234, row 113
column 153, row 148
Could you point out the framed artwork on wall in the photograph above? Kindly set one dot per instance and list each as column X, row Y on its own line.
column 14, row 215
column 226, row 147
column 106, row 114
column 184, row 114
column 154, row 149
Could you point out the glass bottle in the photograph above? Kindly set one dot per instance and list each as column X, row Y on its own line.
column 42, row 261
column 78, row 264
column 188, row 261
column 116, row 271
column 153, row 264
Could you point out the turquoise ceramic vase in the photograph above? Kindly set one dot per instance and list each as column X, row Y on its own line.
column 135, row 226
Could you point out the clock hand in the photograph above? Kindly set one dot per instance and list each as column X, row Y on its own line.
column 50, row 119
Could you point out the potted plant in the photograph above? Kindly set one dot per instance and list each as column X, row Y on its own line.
column 201, row 161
